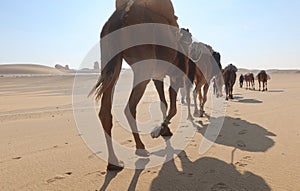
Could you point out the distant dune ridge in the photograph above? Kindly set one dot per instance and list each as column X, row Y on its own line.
column 9, row 69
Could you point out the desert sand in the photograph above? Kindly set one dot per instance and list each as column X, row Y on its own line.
column 42, row 149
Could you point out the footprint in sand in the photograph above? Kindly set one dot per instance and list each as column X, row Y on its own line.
column 244, row 161
column 16, row 158
column 220, row 187
column 247, row 157
column 235, row 124
column 55, row 179
column 241, row 144
column 243, row 132
column 190, row 174
column 59, row 177
column 240, row 164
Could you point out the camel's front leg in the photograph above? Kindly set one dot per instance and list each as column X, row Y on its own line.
column 188, row 100
column 159, row 85
column 164, row 129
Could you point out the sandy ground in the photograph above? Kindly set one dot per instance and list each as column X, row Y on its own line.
column 42, row 149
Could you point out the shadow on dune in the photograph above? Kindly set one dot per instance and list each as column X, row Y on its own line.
column 207, row 174
column 241, row 134
column 275, row 91
column 241, row 99
column 249, row 101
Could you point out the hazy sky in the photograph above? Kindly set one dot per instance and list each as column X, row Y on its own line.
column 262, row 34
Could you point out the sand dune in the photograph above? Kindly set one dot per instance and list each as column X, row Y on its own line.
column 10, row 69
column 41, row 147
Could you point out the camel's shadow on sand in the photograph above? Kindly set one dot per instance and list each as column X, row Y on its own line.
column 205, row 173
column 208, row 173
column 241, row 134
column 241, row 99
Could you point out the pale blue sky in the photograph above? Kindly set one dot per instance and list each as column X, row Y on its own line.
column 263, row 34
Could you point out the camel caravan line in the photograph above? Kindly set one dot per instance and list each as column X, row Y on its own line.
column 189, row 63
column 262, row 77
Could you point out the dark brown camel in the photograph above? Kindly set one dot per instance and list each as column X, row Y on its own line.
column 262, row 77
column 207, row 64
column 249, row 78
column 229, row 75
column 111, row 67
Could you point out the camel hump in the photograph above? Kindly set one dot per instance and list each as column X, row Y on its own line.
column 162, row 7
column 231, row 67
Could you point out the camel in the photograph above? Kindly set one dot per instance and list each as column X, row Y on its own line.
column 242, row 78
column 134, row 56
column 229, row 74
column 202, row 61
column 249, row 78
column 263, row 77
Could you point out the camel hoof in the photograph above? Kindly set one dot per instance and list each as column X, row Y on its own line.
column 142, row 153
column 197, row 114
column 166, row 132
column 112, row 167
column 156, row 132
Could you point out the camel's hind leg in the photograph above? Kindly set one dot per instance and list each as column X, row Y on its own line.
column 231, row 92
column 205, row 91
column 130, row 112
column 259, row 82
column 266, row 85
column 195, row 93
column 159, row 85
column 106, row 118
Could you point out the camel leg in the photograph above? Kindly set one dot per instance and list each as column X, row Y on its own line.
column 130, row 113
column 195, row 93
column 200, row 100
column 106, row 118
column 266, row 85
column 172, row 112
column 231, row 90
column 227, row 91
column 205, row 91
column 159, row 85
column 188, row 100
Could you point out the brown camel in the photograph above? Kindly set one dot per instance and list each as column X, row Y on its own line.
column 229, row 75
column 111, row 66
column 249, row 79
column 207, row 64
column 262, row 77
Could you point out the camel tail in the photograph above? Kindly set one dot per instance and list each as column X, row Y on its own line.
column 109, row 75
